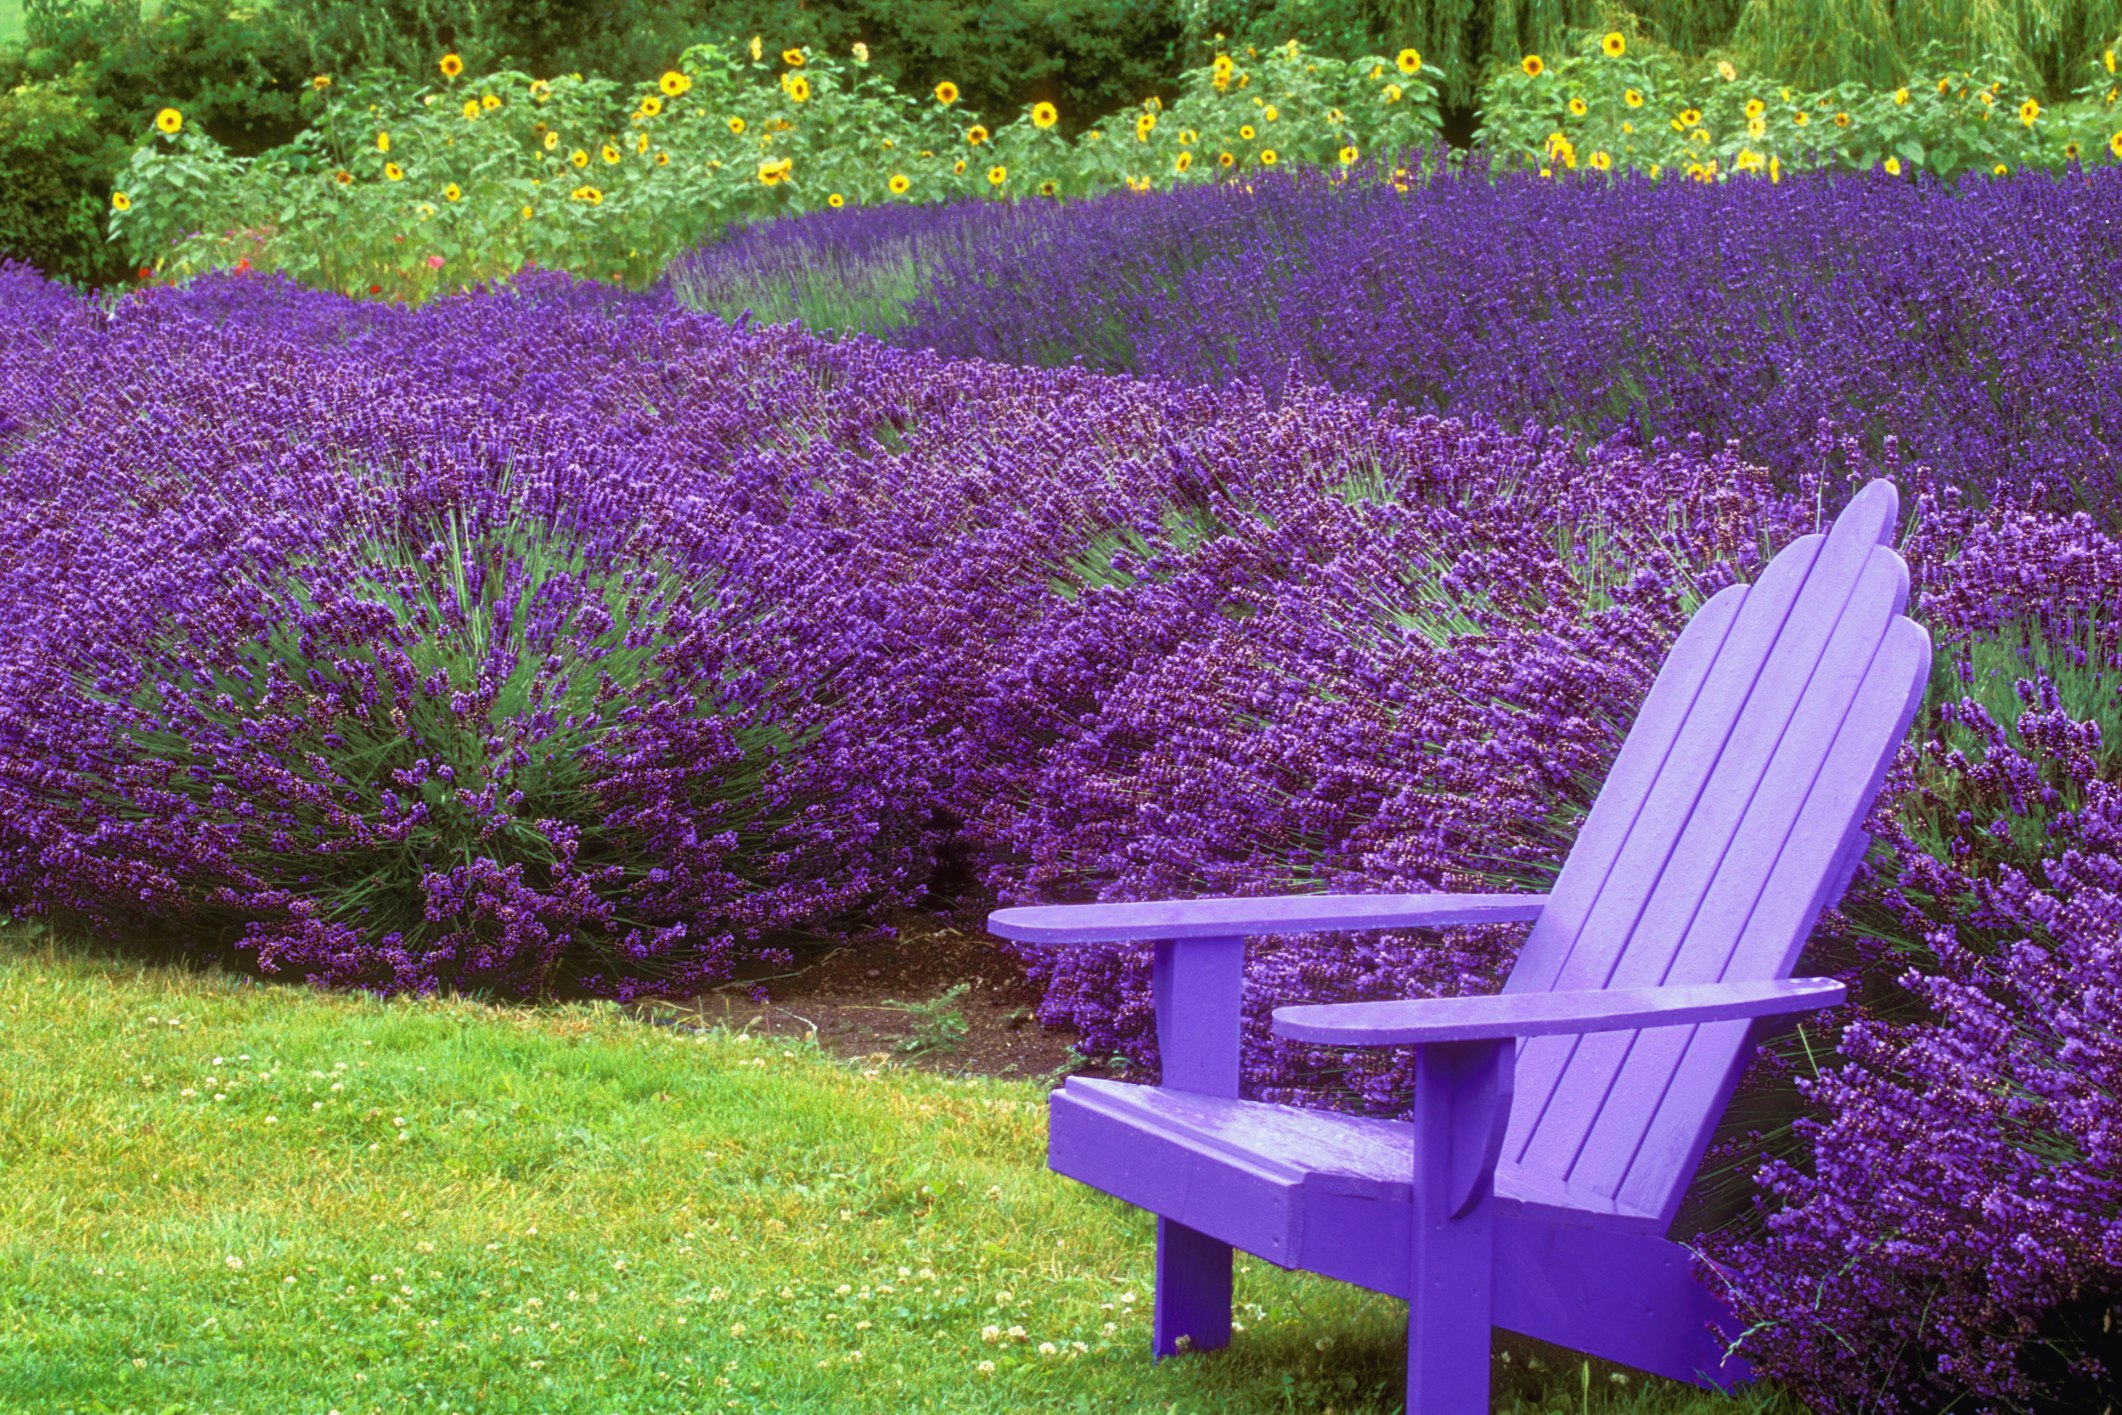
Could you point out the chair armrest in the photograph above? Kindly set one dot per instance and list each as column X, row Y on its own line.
column 1537, row 1014
column 1240, row 918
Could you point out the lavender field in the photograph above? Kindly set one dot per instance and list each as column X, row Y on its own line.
column 557, row 640
column 1973, row 326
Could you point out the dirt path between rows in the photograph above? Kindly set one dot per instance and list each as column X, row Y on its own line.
column 941, row 994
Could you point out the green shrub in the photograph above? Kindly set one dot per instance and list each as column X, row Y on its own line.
column 408, row 190
column 1087, row 56
column 57, row 166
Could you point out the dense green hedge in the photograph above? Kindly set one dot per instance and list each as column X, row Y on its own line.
column 1816, row 44
column 55, row 165
column 101, row 69
column 77, row 96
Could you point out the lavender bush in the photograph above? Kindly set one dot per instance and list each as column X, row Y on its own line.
column 556, row 637
column 1973, row 323
column 312, row 655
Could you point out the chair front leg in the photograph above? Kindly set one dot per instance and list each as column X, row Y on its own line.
column 1462, row 1106
column 1198, row 986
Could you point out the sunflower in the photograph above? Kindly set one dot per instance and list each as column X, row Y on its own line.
column 1183, row 161
column 2114, row 145
column 1533, row 65
column 836, row 201
column 1757, row 128
column 540, row 90
column 343, row 177
column 383, row 142
column 1246, row 133
column 1690, row 117
column 736, row 126
column 674, row 84
column 1841, row 120
column 1267, row 157
column 2000, row 170
column 2109, row 59
column 1409, row 61
column 471, row 109
column 1614, row 45
column 393, row 171
column 489, row 101
column 651, row 107
column 1944, row 83
column 552, row 140
column 663, row 159
column 1755, row 108
column 528, row 213
column 1045, row 115
column 641, row 143
column 451, row 66
column 321, row 82
column 1223, row 67
column 1800, row 118
column 1578, row 108
column 1188, row 137
column 797, row 87
column 758, row 50
column 121, row 202
column 579, row 157
column 588, row 194
column 1390, row 93
column 1269, row 113
column 1224, row 159
column 1900, row 98
column 975, row 135
column 1632, row 97
column 792, row 57
column 1893, row 166
column 957, row 169
column 1600, row 162
column 898, row 184
column 169, row 120
column 609, row 153
column 946, row 93
column 1050, row 187
column 2070, row 151
column 2029, row 112
column 1348, row 155
column 453, row 192
column 1145, row 123
column 997, row 175
column 1726, row 71
column 773, row 174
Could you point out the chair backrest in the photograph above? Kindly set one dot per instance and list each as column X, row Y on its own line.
column 1732, row 816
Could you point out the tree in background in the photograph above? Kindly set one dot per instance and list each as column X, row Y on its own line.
column 1807, row 43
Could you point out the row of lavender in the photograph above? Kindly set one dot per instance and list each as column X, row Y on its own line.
column 1974, row 323
column 556, row 638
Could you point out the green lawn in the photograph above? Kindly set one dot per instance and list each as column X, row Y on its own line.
column 220, row 1196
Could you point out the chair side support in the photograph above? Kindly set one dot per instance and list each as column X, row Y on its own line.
column 1198, row 988
column 1462, row 1108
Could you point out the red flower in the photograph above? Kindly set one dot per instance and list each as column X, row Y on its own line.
column 375, row 289
column 146, row 274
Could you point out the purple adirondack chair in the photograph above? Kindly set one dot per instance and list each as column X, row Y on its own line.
column 1555, row 1126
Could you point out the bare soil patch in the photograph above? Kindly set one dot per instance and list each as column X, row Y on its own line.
column 940, row 994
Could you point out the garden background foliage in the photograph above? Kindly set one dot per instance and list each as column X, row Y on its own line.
column 242, row 76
